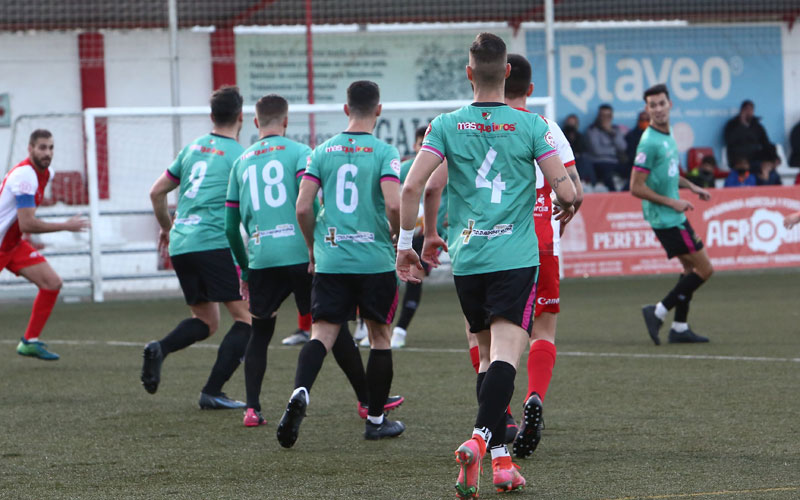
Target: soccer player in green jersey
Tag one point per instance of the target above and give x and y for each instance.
(262, 191)
(490, 150)
(351, 253)
(655, 179)
(199, 250)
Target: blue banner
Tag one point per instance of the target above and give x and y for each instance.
(709, 71)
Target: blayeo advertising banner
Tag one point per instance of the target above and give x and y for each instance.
(709, 71)
(742, 228)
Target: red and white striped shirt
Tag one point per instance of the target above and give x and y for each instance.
(23, 186)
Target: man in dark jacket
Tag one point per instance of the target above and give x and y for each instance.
(746, 137)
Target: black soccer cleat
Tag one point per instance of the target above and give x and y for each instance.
(685, 337)
(151, 366)
(289, 426)
(511, 428)
(530, 432)
(386, 429)
(652, 322)
(220, 402)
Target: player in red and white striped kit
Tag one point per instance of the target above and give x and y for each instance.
(21, 192)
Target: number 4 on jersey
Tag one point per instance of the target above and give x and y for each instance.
(496, 185)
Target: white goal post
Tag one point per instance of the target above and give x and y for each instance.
(137, 180)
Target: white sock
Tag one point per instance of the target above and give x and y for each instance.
(305, 393)
(661, 311)
(34, 339)
(680, 327)
(483, 433)
(375, 420)
(500, 451)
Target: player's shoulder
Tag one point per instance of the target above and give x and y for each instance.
(23, 171)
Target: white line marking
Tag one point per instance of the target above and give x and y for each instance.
(576, 354)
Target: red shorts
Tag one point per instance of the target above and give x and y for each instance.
(547, 291)
(21, 256)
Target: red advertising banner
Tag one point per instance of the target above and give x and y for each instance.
(742, 228)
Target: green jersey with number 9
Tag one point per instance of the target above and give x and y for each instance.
(352, 233)
(657, 155)
(490, 149)
(264, 183)
(202, 169)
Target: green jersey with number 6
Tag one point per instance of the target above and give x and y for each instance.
(352, 233)
(490, 149)
(657, 154)
(202, 169)
(264, 183)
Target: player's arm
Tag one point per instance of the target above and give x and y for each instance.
(28, 223)
(233, 220)
(431, 201)
(572, 172)
(640, 190)
(559, 180)
(305, 213)
(391, 200)
(424, 164)
(683, 182)
(158, 198)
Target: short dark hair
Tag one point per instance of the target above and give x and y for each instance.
(745, 103)
(488, 51)
(39, 133)
(519, 80)
(363, 96)
(271, 108)
(659, 88)
(420, 133)
(226, 105)
(603, 106)
(709, 159)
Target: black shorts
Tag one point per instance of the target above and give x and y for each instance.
(271, 286)
(507, 294)
(335, 297)
(679, 240)
(416, 244)
(207, 276)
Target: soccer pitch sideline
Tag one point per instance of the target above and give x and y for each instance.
(624, 419)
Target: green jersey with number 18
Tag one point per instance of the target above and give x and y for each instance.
(264, 183)
(657, 155)
(202, 169)
(352, 233)
(490, 150)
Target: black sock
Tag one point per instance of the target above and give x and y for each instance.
(229, 355)
(682, 307)
(309, 363)
(348, 357)
(411, 300)
(478, 384)
(255, 359)
(379, 379)
(185, 334)
(496, 392)
(683, 290)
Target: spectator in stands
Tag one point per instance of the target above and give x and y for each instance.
(794, 143)
(578, 144)
(740, 175)
(703, 174)
(766, 174)
(746, 137)
(607, 147)
(633, 136)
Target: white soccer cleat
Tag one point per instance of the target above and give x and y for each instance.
(398, 338)
(361, 330)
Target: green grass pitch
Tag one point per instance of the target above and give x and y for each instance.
(625, 419)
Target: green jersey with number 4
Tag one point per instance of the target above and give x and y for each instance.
(352, 233)
(202, 169)
(657, 154)
(490, 149)
(264, 183)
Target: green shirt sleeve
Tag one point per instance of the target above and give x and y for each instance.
(645, 156)
(174, 170)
